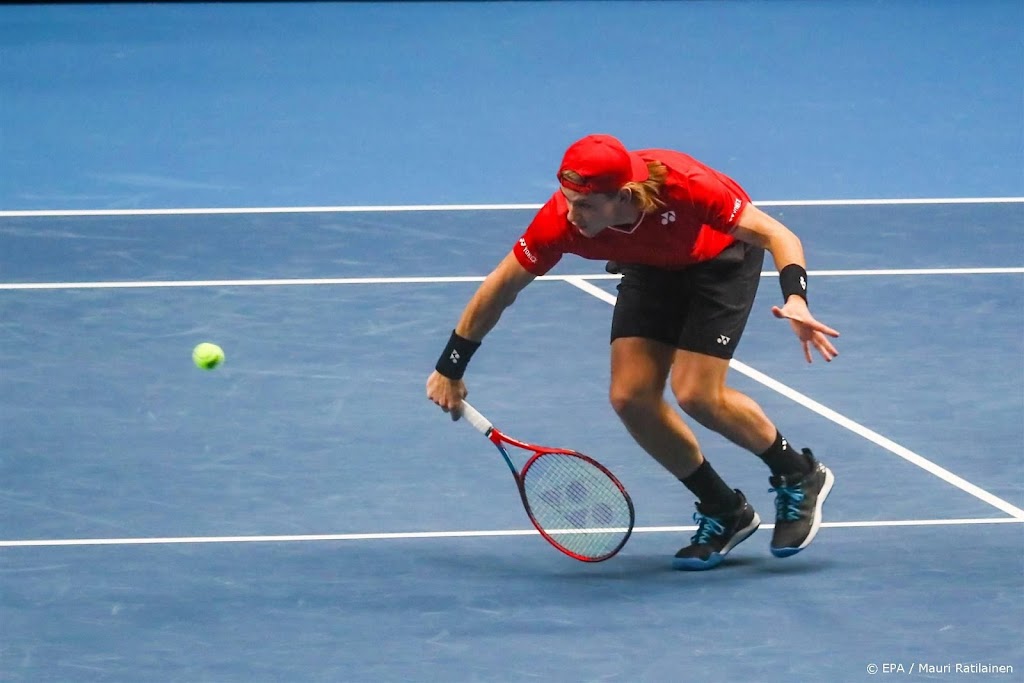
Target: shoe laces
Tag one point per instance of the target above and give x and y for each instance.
(707, 527)
(788, 500)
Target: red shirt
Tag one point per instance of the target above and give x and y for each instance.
(701, 209)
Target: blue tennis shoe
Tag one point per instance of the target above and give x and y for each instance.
(798, 502)
(717, 534)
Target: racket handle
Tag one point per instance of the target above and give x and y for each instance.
(482, 424)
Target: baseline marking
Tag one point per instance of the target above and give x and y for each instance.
(843, 421)
(289, 282)
(52, 213)
(310, 538)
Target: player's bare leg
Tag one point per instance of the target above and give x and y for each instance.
(698, 383)
(640, 369)
(800, 482)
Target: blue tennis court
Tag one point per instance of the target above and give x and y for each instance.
(320, 187)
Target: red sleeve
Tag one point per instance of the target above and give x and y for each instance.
(542, 245)
(717, 199)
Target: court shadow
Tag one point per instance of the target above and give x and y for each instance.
(632, 568)
(620, 568)
(767, 565)
(547, 565)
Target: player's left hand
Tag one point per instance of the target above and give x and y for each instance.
(810, 331)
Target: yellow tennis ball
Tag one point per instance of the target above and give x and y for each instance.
(207, 356)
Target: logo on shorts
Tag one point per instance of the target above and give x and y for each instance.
(723, 340)
(668, 217)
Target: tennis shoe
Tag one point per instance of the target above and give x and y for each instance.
(798, 501)
(716, 535)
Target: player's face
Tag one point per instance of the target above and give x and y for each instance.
(592, 213)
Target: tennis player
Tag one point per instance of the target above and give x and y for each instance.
(689, 245)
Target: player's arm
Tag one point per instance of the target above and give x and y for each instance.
(497, 292)
(757, 227)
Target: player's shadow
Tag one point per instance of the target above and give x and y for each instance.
(635, 568)
(766, 565)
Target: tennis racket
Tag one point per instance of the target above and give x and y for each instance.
(575, 502)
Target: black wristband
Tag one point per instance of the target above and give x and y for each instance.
(793, 280)
(455, 357)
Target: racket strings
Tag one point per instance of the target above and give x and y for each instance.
(577, 504)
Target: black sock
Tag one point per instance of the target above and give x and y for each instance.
(782, 459)
(713, 493)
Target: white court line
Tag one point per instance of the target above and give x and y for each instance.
(885, 272)
(50, 213)
(289, 282)
(892, 202)
(46, 213)
(312, 538)
(843, 421)
(908, 271)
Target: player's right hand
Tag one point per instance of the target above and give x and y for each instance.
(807, 329)
(447, 393)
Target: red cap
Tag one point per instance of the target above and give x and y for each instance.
(604, 164)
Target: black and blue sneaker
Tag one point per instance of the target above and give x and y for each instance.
(717, 534)
(798, 501)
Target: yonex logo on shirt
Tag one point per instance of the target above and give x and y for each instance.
(723, 340)
(735, 207)
(526, 250)
(668, 217)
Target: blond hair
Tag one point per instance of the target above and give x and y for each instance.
(646, 195)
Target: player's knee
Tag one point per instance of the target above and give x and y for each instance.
(628, 404)
(623, 402)
(700, 405)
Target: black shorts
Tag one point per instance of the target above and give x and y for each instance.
(701, 308)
